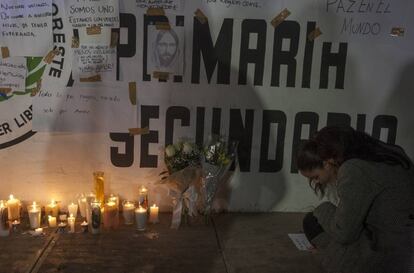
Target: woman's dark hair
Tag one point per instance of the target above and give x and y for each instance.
(342, 144)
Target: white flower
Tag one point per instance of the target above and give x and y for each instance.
(178, 146)
(170, 150)
(187, 148)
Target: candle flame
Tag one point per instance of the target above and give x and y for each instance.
(11, 197)
(34, 203)
(154, 206)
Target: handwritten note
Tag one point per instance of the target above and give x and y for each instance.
(87, 13)
(13, 73)
(99, 108)
(300, 241)
(25, 21)
(92, 60)
(168, 5)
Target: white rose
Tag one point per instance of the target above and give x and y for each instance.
(187, 148)
(170, 151)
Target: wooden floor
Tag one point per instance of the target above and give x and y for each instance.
(231, 243)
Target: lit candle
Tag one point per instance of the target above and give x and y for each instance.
(52, 221)
(141, 218)
(4, 223)
(38, 231)
(143, 197)
(111, 215)
(89, 199)
(73, 209)
(84, 226)
(34, 215)
(128, 212)
(13, 206)
(153, 217)
(52, 209)
(71, 222)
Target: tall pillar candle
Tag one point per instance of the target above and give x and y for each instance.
(73, 209)
(96, 217)
(99, 186)
(141, 218)
(71, 222)
(82, 205)
(143, 197)
(4, 219)
(153, 217)
(52, 221)
(111, 215)
(13, 207)
(34, 212)
(128, 209)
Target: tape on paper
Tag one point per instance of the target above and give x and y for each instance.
(133, 93)
(280, 18)
(138, 131)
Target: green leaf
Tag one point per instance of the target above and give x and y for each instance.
(33, 62)
(33, 78)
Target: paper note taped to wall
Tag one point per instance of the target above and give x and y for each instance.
(93, 14)
(13, 74)
(99, 108)
(26, 27)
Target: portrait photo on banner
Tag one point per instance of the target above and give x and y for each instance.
(166, 50)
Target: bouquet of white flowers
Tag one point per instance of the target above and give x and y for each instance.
(216, 160)
(183, 163)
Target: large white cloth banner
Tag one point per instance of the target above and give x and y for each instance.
(23, 22)
(265, 73)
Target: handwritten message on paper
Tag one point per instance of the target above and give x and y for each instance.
(99, 108)
(237, 3)
(87, 13)
(92, 60)
(13, 73)
(168, 5)
(23, 22)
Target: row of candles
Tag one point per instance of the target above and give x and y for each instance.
(92, 210)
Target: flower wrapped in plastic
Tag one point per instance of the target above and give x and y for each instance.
(216, 159)
(183, 163)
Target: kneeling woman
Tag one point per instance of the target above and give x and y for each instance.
(372, 227)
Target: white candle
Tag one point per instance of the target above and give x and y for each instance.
(73, 209)
(52, 221)
(128, 212)
(34, 215)
(13, 206)
(4, 223)
(141, 218)
(52, 209)
(153, 217)
(71, 221)
(38, 231)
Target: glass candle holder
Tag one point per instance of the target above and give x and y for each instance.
(99, 186)
(141, 218)
(143, 197)
(73, 209)
(13, 208)
(111, 214)
(52, 209)
(34, 212)
(4, 219)
(128, 210)
(96, 217)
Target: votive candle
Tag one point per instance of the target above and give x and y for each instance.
(71, 222)
(153, 217)
(34, 215)
(13, 207)
(141, 218)
(52, 208)
(52, 221)
(128, 212)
